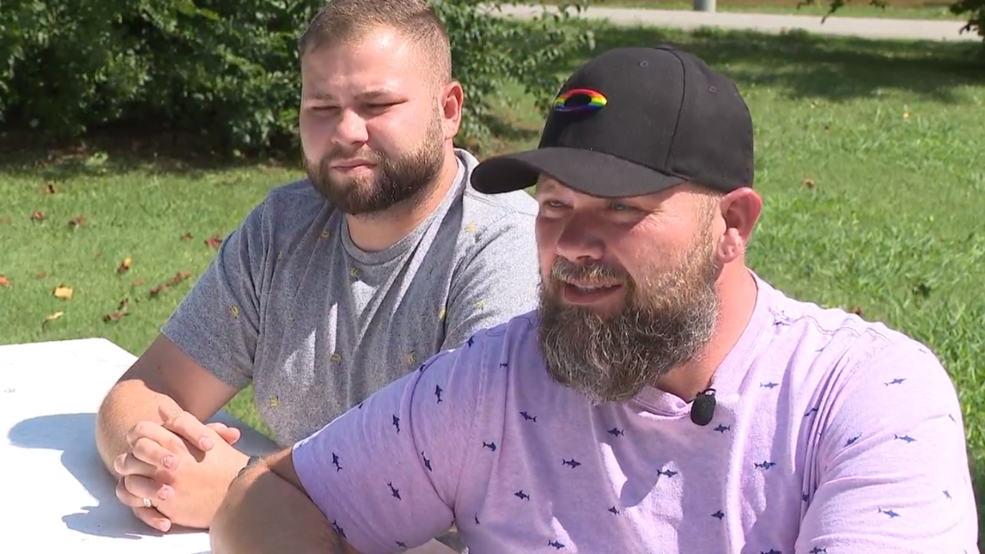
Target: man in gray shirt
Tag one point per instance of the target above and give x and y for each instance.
(335, 285)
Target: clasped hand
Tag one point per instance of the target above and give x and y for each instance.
(177, 473)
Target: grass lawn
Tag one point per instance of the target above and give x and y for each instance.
(896, 9)
(866, 159)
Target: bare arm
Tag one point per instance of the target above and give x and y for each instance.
(163, 376)
(266, 511)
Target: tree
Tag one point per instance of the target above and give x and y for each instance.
(229, 69)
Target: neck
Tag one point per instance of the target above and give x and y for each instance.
(738, 293)
(379, 231)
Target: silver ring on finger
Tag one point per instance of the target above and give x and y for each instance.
(147, 503)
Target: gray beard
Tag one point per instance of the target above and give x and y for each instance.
(611, 359)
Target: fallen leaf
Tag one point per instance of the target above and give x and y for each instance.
(63, 292)
(123, 304)
(51, 317)
(124, 265)
(179, 277)
(214, 242)
(827, 127)
(115, 316)
(4, 281)
(158, 289)
(808, 184)
(857, 311)
(49, 188)
(78, 221)
(37, 216)
(187, 236)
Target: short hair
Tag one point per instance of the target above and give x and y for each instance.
(346, 21)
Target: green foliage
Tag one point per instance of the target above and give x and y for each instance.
(227, 70)
(973, 9)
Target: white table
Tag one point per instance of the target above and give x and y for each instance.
(55, 494)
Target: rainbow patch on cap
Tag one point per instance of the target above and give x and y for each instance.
(579, 100)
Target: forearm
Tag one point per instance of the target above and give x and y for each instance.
(263, 513)
(129, 403)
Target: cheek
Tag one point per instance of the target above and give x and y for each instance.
(315, 133)
(547, 233)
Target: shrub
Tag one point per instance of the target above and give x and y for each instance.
(228, 70)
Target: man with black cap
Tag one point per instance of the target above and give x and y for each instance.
(663, 398)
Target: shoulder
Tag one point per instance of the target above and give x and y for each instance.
(289, 209)
(298, 195)
(491, 210)
(837, 355)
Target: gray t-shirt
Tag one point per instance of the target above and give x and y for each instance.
(318, 325)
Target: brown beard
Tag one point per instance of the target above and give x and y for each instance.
(402, 180)
(664, 323)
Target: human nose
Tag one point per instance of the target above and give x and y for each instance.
(580, 241)
(351, 129)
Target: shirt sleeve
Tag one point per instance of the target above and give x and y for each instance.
(498, 282)
(386, 473)
(218, 322)
(892, 464)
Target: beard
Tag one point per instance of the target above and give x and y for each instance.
(665, 322)
(402, 179)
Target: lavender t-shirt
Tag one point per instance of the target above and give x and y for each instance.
(832, 435)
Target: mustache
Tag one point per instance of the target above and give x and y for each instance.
(563, 270)
(340, 152)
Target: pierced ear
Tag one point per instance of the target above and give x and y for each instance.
(740, 212)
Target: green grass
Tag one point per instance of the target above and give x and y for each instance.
(869, 159)
(899, 9)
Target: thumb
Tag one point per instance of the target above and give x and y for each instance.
(226, 433)
(168, 413)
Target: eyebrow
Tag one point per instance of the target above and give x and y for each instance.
(364, 95)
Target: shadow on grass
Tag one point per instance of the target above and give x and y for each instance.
(804, 65)
(978, 477)
(119, 149)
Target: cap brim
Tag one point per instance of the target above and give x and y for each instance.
(586, 171)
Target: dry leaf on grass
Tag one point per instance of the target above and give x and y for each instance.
(51, 317)
(49, 188)
(4, 281)
(124, 265)
(179, 277)
(63, 292)
(187, 236)
(115, 316)
(214, 242)
(808, 184)
(77, 221)
(37, 216)
(154, 291)
(123, 304)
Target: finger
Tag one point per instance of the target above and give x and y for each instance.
(151, 452)
(128, 464)
(153, 518)
(137, 487)
(157, 433)
(226, 433)
(191, 429)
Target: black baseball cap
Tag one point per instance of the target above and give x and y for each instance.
(636, 121)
